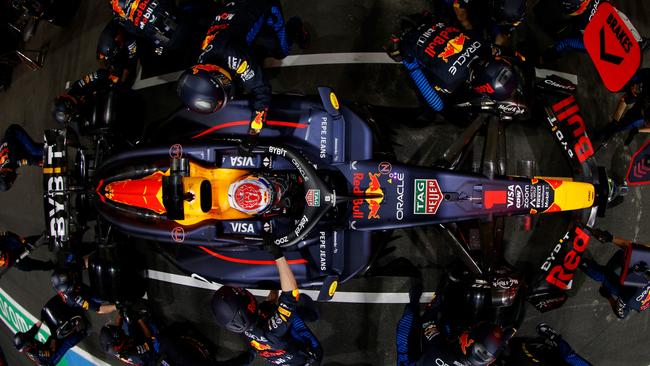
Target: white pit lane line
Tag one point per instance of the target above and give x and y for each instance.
(294, 60)
(339, 296)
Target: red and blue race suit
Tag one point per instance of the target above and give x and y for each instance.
(627, 297)
(228, 43)
(421, 341)
(567, 29)
(42, 353)
(479, 12)
(98, 80)
(151, 19)
(636, 117)
(137, 349)
(540, 352)
(12, 247)
(280, 335)
(439, 58)
(16, 149)
(81, 297)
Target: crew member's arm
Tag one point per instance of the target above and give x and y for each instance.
(86, 302)
(645, 128)
(145, 329)
(106, 308)
(273, 296)
(287, 279)
(460, 9)
(250, 74)
(90, 83)
(424, 85)
(31, 333)
(280, 322)
(131, 63)
(620, 109)
(621, 242)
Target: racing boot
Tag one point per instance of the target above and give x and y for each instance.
(549, 333)
(620, 308)
(297, 33)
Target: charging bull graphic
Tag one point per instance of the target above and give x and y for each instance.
(373, 195)
(454, 46)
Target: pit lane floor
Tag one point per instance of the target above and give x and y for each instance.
(352, 334)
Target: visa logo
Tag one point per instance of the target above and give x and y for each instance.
(242, 227)
(245, 161)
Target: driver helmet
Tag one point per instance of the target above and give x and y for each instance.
(574, 7)
(111, 42)
(205, 88)
(252, 195)
(62, 280)
(21, 341)
(483, 344)
(65, 108)
(112, 338)
(234, 308)
(508, 12)
(495, 78)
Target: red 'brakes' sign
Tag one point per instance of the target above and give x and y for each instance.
(611, 41)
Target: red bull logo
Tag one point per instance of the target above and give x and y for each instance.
(259, 346)
(374, 195)
(117, 9)
(645, 303)
(4, 154)
(465, 341)
(454, 46)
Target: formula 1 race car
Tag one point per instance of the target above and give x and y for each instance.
(312, 186)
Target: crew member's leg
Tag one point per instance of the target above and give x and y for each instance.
(277, 37)
(408, 328)
(569, 355)
(565, 350)
(65, 344)
(25, 144)
(302, 333)
(631, 119)
(599, 273)
(28, 264)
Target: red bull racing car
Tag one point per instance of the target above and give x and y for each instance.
(312, 186)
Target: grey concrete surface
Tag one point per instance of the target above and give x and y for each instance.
(352, 334)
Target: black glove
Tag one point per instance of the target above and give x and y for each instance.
(603, 236)
(272, 248)
(247, 145)
(392, 48)
(631, 135)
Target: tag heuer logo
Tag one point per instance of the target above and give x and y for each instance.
(313, 198)
(428, 197)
